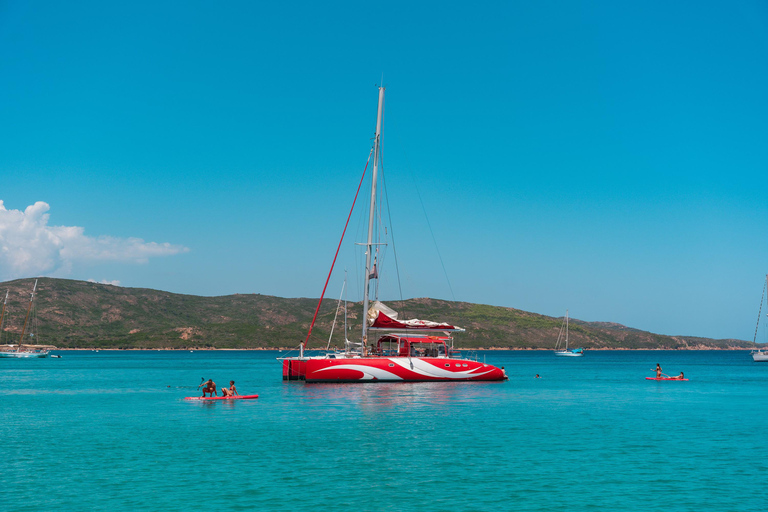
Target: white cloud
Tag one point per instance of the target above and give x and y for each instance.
(30, 247)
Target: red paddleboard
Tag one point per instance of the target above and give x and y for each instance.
(238, 397)
(662, 378)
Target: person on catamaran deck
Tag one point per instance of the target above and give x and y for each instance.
(210, 387)
(658, 371)
(230, 391)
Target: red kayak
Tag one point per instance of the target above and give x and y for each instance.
(237, 397)
(663, 378)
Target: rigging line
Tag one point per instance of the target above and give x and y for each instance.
(346, 338)
(359, 252)
(760, 310)
(381, 229)
(427, 218)
(394, 249)
(440, 257)
(376, 240)
(356, 255)
(337, 249)
(338, 305)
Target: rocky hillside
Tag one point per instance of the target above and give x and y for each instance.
(79, 314)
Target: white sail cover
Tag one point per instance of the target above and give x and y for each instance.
(383, 317)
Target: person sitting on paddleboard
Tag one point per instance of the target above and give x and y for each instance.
(680, 377)
(658, 371)
(210, 387)
(230, 391)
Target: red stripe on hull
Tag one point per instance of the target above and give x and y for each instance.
(389, 369)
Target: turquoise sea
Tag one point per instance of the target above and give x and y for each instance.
(110, 431)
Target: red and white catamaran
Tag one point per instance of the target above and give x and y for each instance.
(406, 350)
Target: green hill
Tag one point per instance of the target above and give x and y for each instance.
(79, 314)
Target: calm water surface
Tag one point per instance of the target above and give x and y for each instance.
(110, 430)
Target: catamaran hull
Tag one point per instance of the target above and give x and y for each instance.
(760, 357)
(569, 354)
(23, 355)
(388, 369)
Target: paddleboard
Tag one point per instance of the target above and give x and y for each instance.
(238, 397)
(662, 378)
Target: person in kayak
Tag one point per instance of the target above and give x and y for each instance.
(210, 387)
(658, 371)
(230, 391)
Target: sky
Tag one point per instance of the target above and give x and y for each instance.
(609, 158)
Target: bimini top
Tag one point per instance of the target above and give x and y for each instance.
(382, 317)
(415, 338)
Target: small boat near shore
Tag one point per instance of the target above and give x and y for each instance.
(24, 350)
(563, 340)
(760, 356)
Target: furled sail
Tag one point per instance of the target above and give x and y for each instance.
(383, 317)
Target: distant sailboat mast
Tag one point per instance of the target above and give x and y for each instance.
(577, 352)
(25, 350)
(760, 311)
(29, 308)
(2, 315)
(371, 217)
(762, 354)
(335, 316)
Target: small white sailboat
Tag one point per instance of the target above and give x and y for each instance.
(761, 356)
(25, 350)
(562, 340)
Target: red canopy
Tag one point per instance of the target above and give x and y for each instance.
(382, 317)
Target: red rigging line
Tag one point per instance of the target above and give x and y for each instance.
(337, 249)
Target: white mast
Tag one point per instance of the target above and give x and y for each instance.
(371, 216)
(29, 308)
(2, 316)
(566, 329)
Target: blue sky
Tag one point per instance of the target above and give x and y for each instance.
(607, 158)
